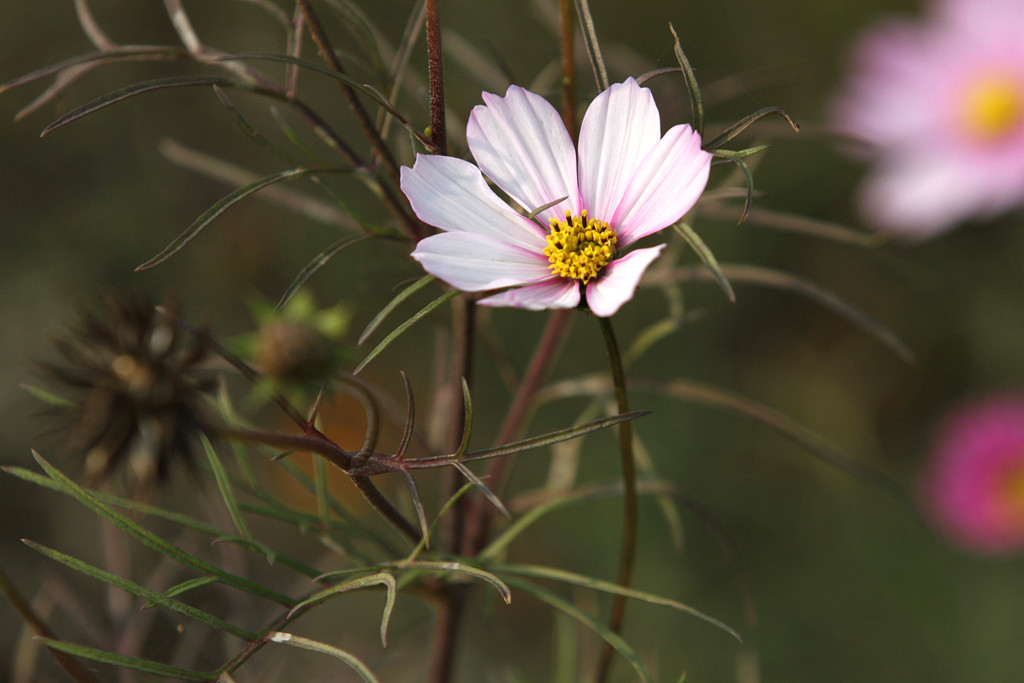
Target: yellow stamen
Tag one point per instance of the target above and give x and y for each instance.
(994, 107)
(579, 247)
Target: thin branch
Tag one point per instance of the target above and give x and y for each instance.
(326, 50)
(629, 522)
(435, 65)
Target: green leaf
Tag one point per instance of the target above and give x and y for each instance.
(224, 485)
(154, 542)
(498, 545)
(379, 579)
(325, 649)
(606, 634)
(706, 256)
(795, 223)
(48, 397)
(748, 177)
(315, 265)
(363, 88)
(134, 663)
(532, 442)
(250, 131)
(769, 277)
(744, 123)
(363, 30)
(777, 422)
(137, 89)
(393, 304)
(591, 43)
(573, 579)
(186, 586)
(226, 203)
(696, 100)
(123, 53)
(135, 589)
(447, 296)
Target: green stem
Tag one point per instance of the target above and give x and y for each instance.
(629, 522)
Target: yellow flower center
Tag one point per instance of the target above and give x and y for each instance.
(1012, 492)
(993, 107)
(579, 247)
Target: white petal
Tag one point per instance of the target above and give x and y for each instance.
(474, 263)
(520, 142)
(919, 198)
(621, 125)
(619, 280)
(450, 194)
(664, 187)
(558, 292)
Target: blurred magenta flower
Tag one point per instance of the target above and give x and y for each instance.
(940, 104)
(628, 181)
(975, 484)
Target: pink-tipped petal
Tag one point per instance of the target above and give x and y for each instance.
(452, 195)
(555, 293)
(621, 125)
(666, 184)
(474, 263)
(618, 281)
(520, 142)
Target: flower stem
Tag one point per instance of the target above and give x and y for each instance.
(435, 66)
(316, 30)
(629, 522)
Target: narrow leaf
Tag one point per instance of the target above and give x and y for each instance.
(325, 649)
(142, 665)
(696, 100)
(156, 543)
(135, 589)
(447, 296)
(393, 304)
(226, 203)
(706, 256)
(483, 488)
(606, 634)
(545, 207)
(363, 88)
(789, 222)
(379, 579)
(590, 42)
(224, 485)
(315, 265)
(125, 53)
(744, 123)
(532, 442)
(47, 397)
(137, 89)
(777, 422)
(769, 277)
(747, 176)
(571, 578)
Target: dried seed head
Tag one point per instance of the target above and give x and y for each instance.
(140, 404)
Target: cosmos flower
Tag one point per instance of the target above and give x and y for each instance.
(974, 488)
(940, 104)
(626, 182)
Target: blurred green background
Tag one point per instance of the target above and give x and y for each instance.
(848, 584)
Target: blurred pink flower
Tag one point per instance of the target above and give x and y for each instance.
(975, 484)
(940, 104)
(627, 182)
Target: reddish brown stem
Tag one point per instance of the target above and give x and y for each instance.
(435, 65)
